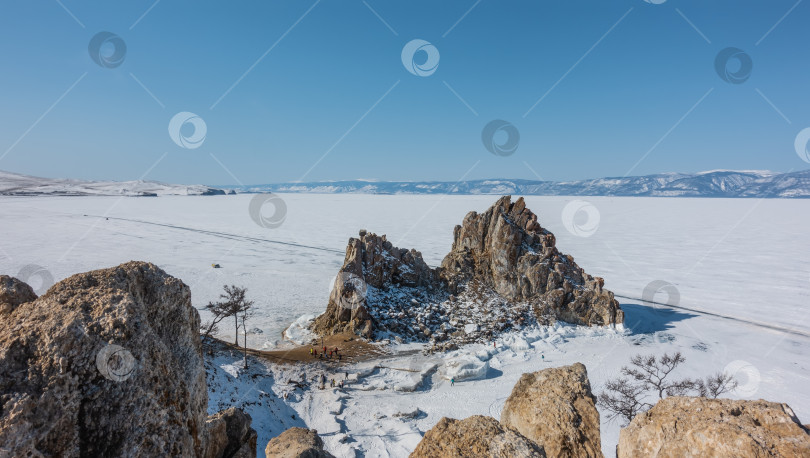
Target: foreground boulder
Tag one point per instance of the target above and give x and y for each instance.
(230, 435)
(14, 292)
(106, 363)
(476, 436)
(684, 426)
(297, 443)
(556, 409)
(503, 271)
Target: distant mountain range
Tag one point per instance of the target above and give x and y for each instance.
(716, 183)
(14, 184)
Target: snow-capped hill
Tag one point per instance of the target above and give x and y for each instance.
(25, 185)
(715, 183)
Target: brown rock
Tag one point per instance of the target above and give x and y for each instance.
(503, 252)
(683, 426)
(230, 435)
(556, 409)
(106, 363)
(14, 292)
(476, 436)
(297, 443)
(371, 261)
(506, 249)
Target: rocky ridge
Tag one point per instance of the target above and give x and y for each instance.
(503, 270)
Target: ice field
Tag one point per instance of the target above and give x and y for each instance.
(741, 268)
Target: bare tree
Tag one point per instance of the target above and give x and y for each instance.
(234, 304)
(649, 379)
(717, 384)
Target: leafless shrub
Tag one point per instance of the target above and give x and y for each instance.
(649, 379)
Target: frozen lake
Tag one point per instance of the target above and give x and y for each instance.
(740, 257)
(745, 259)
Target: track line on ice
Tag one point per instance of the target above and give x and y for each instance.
(221, 234)
(761, 324)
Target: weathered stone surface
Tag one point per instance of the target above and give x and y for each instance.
(556, 409)
(106, 363)
(297, 443)
(14, 292)
(476, 436)
(683, 426)
(230, 435)
(371, 262)
(503, 268)
(506, 249)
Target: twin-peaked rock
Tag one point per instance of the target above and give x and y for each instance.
(503, 270)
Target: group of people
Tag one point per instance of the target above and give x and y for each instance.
(321, 380)
(330, 355)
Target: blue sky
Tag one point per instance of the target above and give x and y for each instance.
(292, 90)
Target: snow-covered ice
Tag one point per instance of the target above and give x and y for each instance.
(745, 263)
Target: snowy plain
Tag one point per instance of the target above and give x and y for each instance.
(745, 259)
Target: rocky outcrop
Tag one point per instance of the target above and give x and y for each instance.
(556, 409)
(681, 426)
(14, 292)
(297, 443)
(230, 435)
(503, 271)
(507, 250)
(375, 275)
(106, 363)
(476, 436)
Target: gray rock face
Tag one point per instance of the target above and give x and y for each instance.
(507, 250)
(503, 270)
(14, 292)
(682, 426)
(556, 409)
(297, 443)
(476, 436)
(106, 363)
